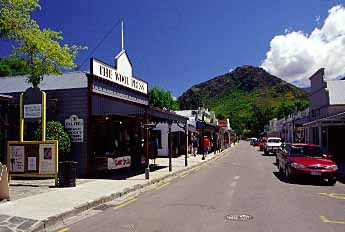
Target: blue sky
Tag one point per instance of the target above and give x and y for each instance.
(176, 44)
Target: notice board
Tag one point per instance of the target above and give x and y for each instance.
(32, 158)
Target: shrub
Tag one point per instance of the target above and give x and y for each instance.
(56, 131)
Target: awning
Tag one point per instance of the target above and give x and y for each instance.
(161, 115)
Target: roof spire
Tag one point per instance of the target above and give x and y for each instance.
(122, 42)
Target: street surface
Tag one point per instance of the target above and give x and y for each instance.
(242, 182)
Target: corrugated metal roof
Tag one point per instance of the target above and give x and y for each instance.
(69, 80)
(336, 90)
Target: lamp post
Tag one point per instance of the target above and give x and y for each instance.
(147, 126)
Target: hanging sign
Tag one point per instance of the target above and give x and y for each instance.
(75, 128)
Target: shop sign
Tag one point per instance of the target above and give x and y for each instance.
(75, 128)
(119, 162)
(107, 72)
(200, 124)
(223, 123)
(33, 111)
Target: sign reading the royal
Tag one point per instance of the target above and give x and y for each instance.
(32, 111)
(75, 128)
(107, 72)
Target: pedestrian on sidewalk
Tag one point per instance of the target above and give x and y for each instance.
(195, 145)
(206, 147)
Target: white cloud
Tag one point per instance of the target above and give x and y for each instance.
(295, 56)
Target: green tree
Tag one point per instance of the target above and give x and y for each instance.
(13, 66)
(55, 131)
(162, 98)
(40, 48)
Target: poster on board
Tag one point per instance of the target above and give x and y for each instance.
(47, 159)
(17, 158)
(32, 164)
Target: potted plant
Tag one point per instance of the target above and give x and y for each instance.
(67, 169)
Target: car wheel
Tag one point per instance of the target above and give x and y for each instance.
(265, 152)
(331, 180)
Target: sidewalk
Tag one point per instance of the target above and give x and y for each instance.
(49, 206)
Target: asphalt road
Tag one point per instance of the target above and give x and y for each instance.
(242, 182)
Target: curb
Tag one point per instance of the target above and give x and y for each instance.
(50, 221)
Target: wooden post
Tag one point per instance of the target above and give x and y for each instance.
(186, 158)
(147, 136)
(170, 147)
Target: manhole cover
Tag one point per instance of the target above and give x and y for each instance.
(238, 217)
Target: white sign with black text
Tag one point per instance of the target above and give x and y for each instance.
(107, 72)
(75, 128)
(119, 162)
(33, 111)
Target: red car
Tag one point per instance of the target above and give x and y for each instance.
(305, 159)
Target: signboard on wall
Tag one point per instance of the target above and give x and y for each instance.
(107, 72)
(75, 128)
(119, 162)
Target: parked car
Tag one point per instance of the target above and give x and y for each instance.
(295, 160)
(272, 145)
(253, 140)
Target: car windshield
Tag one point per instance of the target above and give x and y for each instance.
(273, 141)
(306, 151)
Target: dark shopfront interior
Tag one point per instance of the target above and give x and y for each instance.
(117, 136)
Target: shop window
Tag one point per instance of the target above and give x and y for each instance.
(157, 134)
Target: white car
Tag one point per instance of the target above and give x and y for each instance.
(272, 145)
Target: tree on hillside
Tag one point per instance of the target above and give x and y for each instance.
(39, 48)
(162, 98)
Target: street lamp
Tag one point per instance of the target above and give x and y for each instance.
(147, 127)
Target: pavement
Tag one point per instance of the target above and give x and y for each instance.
(36, 204)
(242, 191)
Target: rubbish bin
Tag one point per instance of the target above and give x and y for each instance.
(67, 174)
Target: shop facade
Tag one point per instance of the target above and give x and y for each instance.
(106, 113)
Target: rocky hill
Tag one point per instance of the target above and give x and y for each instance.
(248, 95)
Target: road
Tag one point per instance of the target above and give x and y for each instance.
(242, 182)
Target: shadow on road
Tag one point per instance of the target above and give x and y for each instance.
(302, 181)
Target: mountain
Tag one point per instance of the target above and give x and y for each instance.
(248, 95)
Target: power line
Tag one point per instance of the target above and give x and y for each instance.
(100, 43)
